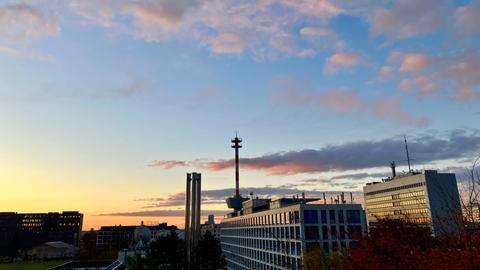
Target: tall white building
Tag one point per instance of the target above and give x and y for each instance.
(267, 234)
(429, 198)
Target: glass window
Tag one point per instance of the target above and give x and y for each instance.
(310, 216)
(323, 215)
(353, 216)
(340, 216)
(324, 232)
(311, 233)
(332, 216)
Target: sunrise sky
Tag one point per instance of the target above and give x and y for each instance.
(105, 105)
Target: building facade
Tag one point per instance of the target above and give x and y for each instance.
(210, 226)
(428, 198)
(20, 231)
(275, 234)
(120, 237)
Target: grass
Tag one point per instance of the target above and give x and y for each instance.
(30, 265)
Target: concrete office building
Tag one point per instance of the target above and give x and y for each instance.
(429, 198)
(267, 234)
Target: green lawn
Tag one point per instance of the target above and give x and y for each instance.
(29, 266)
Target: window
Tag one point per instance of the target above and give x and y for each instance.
(340, 216)
(310, 216)
(332, 216)
(323, 215)
(325, 232)
(311, 233)
(353, 216)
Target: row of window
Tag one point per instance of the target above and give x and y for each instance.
(291, 217)
(331, 232)
(283, 232)
(241, 258)
(284, 247)
(395, 188)
(334, 216)
(396, 196)
(399, 203)
(400, 212)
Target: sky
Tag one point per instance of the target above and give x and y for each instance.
(106, 105)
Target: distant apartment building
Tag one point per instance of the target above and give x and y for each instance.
(268, 234)
(210, 226)
(23, 231)
(429, 198)
(120, 237)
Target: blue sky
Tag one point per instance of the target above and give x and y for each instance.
(118, 99)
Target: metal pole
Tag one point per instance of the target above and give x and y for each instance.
(187, 218)
(198, 212)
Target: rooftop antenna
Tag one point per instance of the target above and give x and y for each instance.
(408, 155)
(236, 145)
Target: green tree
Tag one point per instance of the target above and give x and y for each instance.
(166, 253)
(209, 253)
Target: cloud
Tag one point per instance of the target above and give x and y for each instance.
(467, 19)
(315, 32)
(167, 164)
(227, 43)
(466, 77)
(264, 28)
(341, 61)
(162, 213)
(414, 62)
(408, 18)
(24, 54)
(424, 83)
(425, 148)
(294, 93)
(22, 22)
(218, 196)
(385, 73)
(390, 108)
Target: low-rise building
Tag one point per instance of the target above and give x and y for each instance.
(120, 237)
(52, 250)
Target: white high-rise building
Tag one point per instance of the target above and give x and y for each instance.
(429, 198)
(275, 234)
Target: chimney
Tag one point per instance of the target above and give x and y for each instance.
(324, 199)
(351, 197)
(392, 166)
(187, 216)
(343, 198)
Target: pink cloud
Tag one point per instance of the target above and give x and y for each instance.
(466, 77)
(467, 19)
(385, 73)
(390, 108)
(227, 43)
(414, 62)
(294, 93)
(424, 83)
(22, 22)
(264, 28)
(168, 164)
(341, 61)
(407, 19)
